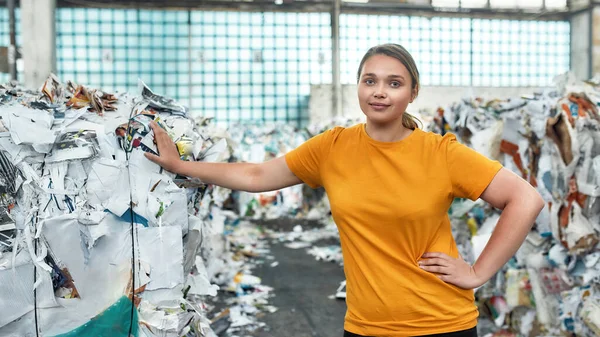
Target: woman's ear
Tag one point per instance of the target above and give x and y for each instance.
(413, 94)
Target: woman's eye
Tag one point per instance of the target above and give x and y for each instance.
(369, 81)
(395, 84)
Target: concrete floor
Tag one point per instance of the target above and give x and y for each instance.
(302, 289)
(302, 286)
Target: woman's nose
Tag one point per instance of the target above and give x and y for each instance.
(379, 94)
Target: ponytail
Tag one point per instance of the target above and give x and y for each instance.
(410, 122)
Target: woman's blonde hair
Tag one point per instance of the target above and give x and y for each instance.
(401, 54)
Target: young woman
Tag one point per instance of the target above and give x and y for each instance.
(390, 185)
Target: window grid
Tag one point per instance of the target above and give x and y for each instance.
(463, 51)
(502, 4)
(112, 48)
(228, 65)
(519, 53)
(259, 66)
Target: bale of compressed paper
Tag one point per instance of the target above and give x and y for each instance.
(96, 239)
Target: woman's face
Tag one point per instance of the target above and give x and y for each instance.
(384, 89)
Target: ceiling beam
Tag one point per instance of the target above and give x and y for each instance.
(380, 8)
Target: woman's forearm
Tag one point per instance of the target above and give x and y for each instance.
(235, 176)
(512, 228)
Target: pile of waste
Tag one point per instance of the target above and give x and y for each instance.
(94, 238)
(246, 297)
(301, 238)
(257, 143)
(551, 287)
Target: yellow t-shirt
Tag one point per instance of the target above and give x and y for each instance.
(390, 201)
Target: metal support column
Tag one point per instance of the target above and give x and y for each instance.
(38, 38)
(12, 48)
(591, 43)
(335, 59)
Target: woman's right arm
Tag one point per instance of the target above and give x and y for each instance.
(268, 176)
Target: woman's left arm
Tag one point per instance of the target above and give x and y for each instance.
(520, 204)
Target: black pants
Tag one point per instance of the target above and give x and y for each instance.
(463, 333)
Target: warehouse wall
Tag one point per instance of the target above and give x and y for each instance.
(430, 98)
(595, 40)
(585, 44)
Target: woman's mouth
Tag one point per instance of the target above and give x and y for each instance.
(379, 106)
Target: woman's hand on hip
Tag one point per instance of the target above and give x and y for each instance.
(450, 270)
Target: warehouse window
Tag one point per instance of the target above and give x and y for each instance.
(556, 4)
(229, 65)
(459, 3)
(529, 4)
(112, 48)
(463, 51)
(238, 66)
(519, 53)
(503, 4)
(259, 66)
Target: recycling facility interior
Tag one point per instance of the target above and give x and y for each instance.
(95, 240)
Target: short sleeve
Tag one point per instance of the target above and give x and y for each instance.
(470, 171)
(305, 161)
